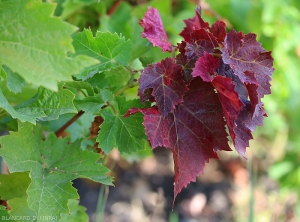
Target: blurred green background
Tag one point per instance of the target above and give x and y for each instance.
(274, 152)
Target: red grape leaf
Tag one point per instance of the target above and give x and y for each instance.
(251, 63)
(193, 24)
(154, 30)
(165, 78)
(232, 106)
(194, 131)
(205, 67)
(246, 123)
(218, 29)
(187, 64)
(202, 41)
(230, 100)
(240, 88)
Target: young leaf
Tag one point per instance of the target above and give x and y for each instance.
(110, 49)
(201, 41)
(187, 64)
(165, 83)
(52, 164)
(126, 134)
(218, 29)
(251, 63)
(205, 67)
(232, 106)
(230, 100)
(154, 30)
(193, 24)
(35, 44)
(222, 71)
(194, 131)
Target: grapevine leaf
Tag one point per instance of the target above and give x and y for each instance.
(146, 60)
(202, 41)
(246, 123)
(194, 131)
(77, 213)
(4, 104)
(165, 79)
(52, 164)
(193, 24)
(98, 81)
(15, 82)
(110, 49)
(154, 30)
(205, 67)
(48, 105)
(80, 86)
(90, 104)
(240, 87)
(124, 21)
(93, 104)
(38, 53)
(251, 63)
(232, 106)
(187, 64)
(218, 29)
(106, 95)
(230, 100)
(126, 134)
(117, 78)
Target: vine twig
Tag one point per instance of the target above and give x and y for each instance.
(60, 131)
(114, 7)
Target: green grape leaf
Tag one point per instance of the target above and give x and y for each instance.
(124, 21)
(52, 164)
(126, 134)
(90, 104)
(4, 215)
(13, 185)
(117, 78)
(93, 104)
(106, 95)
(81, 85)
(48, 105)
(98, 81)
(77, 213)
(15, 82)
(110, 49)
(4, 104)
(35, 44)
(146, 61)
